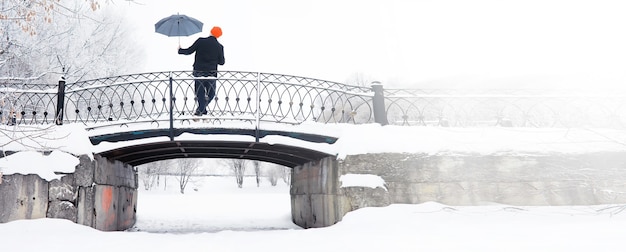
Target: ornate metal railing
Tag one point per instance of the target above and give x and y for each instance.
(264, 97)
(249, 96)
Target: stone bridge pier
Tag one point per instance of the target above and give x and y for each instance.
(316, 200)
(100, 193)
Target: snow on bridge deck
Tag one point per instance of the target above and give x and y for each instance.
(352, 139)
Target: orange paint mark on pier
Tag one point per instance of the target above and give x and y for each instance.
(107, 198)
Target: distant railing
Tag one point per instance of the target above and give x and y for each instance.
(505, 107)
(264, 97)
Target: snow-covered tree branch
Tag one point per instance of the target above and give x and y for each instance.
(77, 38)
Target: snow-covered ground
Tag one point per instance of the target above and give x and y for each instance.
(213, 204)
(221, 217)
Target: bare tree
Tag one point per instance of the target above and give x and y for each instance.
(274, 172)
(150, 173)
(184, 169)
(35, 48)
(359, 79)
(79, 42)
(238, 166)
(26, 13)
(273, 175)
(257, 172)
(286, 175)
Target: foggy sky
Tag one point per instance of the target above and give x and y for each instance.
(421, 43)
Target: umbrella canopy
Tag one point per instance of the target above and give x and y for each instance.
(178, 25)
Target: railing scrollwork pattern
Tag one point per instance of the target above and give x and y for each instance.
(248, 96)
(264, 97)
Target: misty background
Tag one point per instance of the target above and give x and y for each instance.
(418, 44)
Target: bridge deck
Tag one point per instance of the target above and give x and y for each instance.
(289, 156)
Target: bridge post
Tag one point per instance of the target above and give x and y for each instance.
(258, 106)
(171, 132)
(58, 115)
(380, 115)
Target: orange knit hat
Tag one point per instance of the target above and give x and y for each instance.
(216, 31)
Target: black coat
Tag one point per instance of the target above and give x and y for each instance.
(209, 54)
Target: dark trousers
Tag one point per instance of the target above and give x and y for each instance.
(205, 90)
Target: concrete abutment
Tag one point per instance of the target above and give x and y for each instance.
(318, 198)
(100, 193)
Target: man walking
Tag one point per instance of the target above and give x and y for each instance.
(209, 54)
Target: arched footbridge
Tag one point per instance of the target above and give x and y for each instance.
(248, 105)
(140, 118)
(257, 105)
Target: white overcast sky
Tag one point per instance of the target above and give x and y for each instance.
(422, 43)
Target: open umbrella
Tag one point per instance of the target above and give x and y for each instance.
(178, 25)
